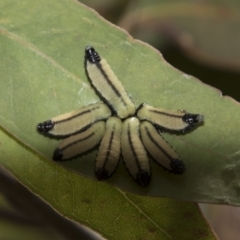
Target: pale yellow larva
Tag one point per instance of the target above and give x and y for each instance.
(76, 121)
(134, 154)
(159, 149)
(107, 84)
(80, 143)
(169, 120)
(109, 150)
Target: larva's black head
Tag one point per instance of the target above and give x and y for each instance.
(45, 127)
(193, 119)
(57, 155)
(102, 174)
(143, 178)
(178, 167)
(91, 55)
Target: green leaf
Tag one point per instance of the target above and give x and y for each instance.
(42, 76)
(113, 213)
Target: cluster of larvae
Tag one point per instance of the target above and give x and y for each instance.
(118, 128)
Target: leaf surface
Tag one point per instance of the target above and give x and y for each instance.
(43, 76)
(110, 211)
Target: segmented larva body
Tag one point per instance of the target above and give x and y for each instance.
(80, 143)
(134, 154)
(76, 121)
(159, 149)
(107, 84)
(109, 150)
(171, 121)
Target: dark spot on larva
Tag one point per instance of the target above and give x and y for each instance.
(57, 155)
(91, 55)
(178, 166)
(45, 127)
(193, 119)
(143, 178)
(101, 174)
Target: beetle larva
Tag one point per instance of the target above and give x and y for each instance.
(76, 121)
(107, 85)
(169, 120)
(159, 149)
(80, 143)
(109, 150)
(134, 154)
